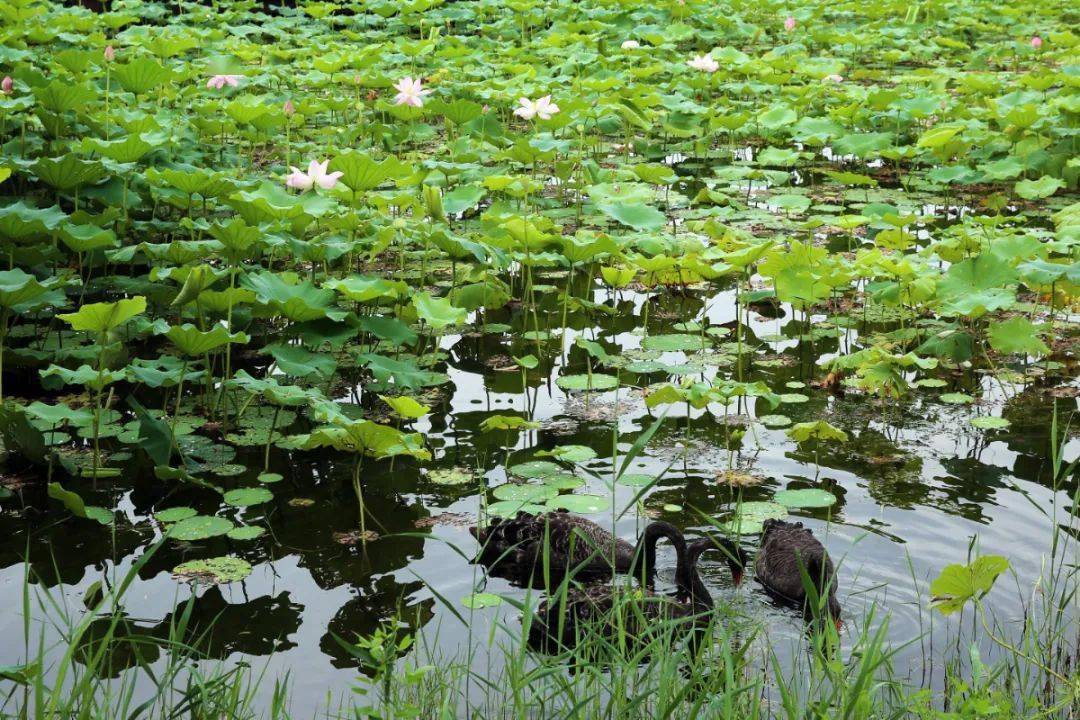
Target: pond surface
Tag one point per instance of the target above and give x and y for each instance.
(916, 484)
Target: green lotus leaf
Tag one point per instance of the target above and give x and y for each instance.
(194, 343)
(77, 507)
(200, 527)
(219, 570)
(175, 514)
(246, 497)
(585, 504)
(805, 498)
(103, 317)
(594, 382)
(524, 493)
(535, 469)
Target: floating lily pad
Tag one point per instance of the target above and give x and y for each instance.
(246, 532)
(510, 508)
(228, 469)
(956, 398)
(175, 514)
(563, 481)
(573, 453)
(989, 422)
(775, 421)
(750, 517)
(596, 382)
(805, 498)
(793, 398)
(585, 504)
(219, 570)
(636, 479)
(672, 508)
(930, 383)
(646, 367)
(269, 477)
(535, 469)
(481, 600)
(450, 476)
(200, 527)
(245, 497)
(673, 343)
(524, 493)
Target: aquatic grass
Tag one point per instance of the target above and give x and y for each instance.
(733, 671)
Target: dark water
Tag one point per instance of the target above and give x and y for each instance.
(916, 485)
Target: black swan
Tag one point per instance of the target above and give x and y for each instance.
(519, 548)
(784, 546)
(562, 620)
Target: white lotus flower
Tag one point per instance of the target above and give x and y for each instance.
(410, 92)
(705, 63)
(542, 108)
(316, 175)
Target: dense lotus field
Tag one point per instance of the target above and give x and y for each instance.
(485, 257)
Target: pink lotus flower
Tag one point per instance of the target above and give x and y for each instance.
(410, 92)
(6, 85)
(789, 24)
(289, 108)
(110, 53)
(705, 63)
(316, 175)
(542, 108)
(630, 45)
(834, 78)
(219, 81)
(1036, 42)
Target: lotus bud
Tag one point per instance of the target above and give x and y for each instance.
(1036, 42)
(289, 108)
(110, 53)
(6, 85)
(789, 24)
